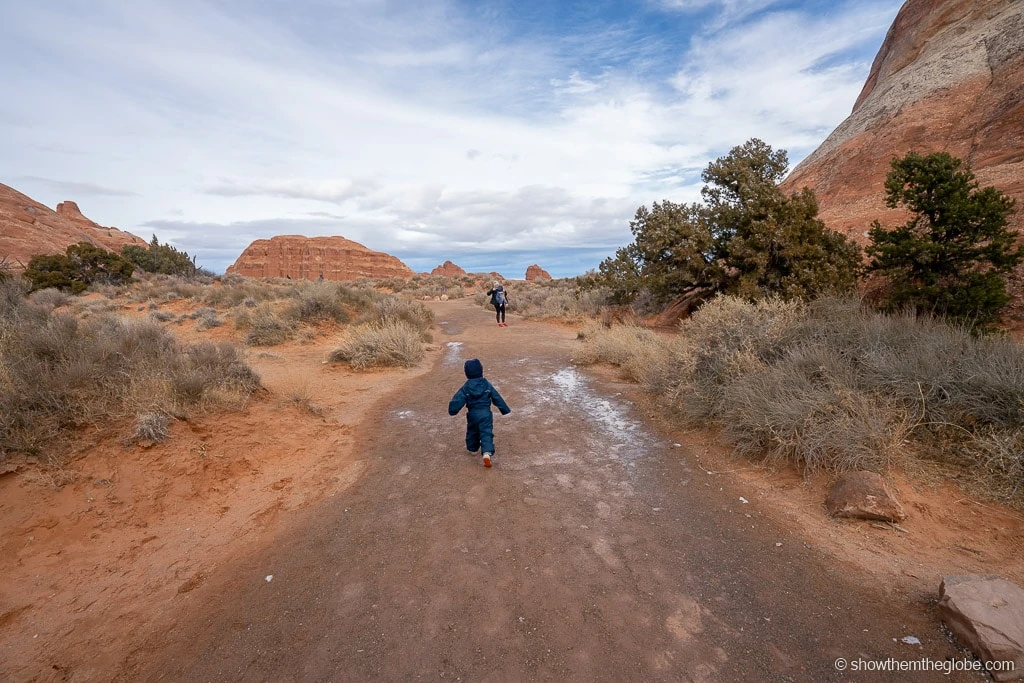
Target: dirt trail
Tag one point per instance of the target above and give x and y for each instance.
(592, 550)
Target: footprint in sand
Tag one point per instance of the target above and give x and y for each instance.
(603, 549)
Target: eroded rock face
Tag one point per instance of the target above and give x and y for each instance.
(949, 77)
(28, 228)
(986, 613)
(537, 274)
(448, 269)
(336, 258)
(864, 495)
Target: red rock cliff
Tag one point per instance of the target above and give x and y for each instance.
(948, 77)
(296, 256)
(28, 228)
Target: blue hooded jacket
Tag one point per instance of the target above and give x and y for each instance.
(477, 394)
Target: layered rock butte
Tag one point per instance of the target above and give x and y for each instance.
(336, 258)
(949, 77)
(28, 228)
(448, 269)
(535, 273)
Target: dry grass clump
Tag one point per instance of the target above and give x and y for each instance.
(728, 339)
(265, 326)
(159, 287)
(152, 427)
(636, 351)
(318, 301)
(831, 386)
(431, 286)
(391, 309)
(162, 316)
(391, 332)
(50, 298)
(391, 342)
(59, 372)
(206, 318)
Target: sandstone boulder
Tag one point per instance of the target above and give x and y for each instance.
(537, 274)
(28, 228)
(448, 269)
(948, 77)
(336, 258)
(986, 613)
(864, 495)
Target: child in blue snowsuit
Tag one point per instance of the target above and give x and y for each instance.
(477, 394)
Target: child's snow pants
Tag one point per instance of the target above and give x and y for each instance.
(480, 430)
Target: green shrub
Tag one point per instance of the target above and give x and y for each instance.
(748, 239)
(160, 258)
(81, 265)
(953, 256)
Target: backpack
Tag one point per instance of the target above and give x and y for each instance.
(499, 297)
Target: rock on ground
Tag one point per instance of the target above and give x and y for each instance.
(986, 613)
(864, 495)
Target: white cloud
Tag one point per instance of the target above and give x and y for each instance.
(416, 130)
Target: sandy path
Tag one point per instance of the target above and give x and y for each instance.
(593, 550)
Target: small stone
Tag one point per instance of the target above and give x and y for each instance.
(864, 495)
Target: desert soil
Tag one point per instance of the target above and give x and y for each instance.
(336, 529)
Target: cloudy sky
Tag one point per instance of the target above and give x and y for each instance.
(493, 133)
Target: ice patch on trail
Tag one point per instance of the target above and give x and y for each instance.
(452, 353)
(625, 438)
(405, 414)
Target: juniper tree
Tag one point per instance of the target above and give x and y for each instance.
(952, 257)
(747, 238)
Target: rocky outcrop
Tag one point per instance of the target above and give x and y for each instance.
(537, 274)
(986, 613)
(448, 269)
(336, 258)
(948, 77)
(864, 495)
(28, 228)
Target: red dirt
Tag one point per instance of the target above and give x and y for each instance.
(594, 549)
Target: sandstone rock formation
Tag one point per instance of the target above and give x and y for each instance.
(986, 613)
(448, 269)
(948, 77)
(537, 274)
(28, 228)
(297, 256)
(864, 495)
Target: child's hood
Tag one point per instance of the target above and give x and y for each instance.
(474, 369)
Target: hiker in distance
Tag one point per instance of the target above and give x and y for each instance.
(477, 395)
(499, 299)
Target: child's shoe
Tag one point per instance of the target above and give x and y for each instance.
(487, 459)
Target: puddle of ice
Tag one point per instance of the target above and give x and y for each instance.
(624, 438)
(452, 353)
